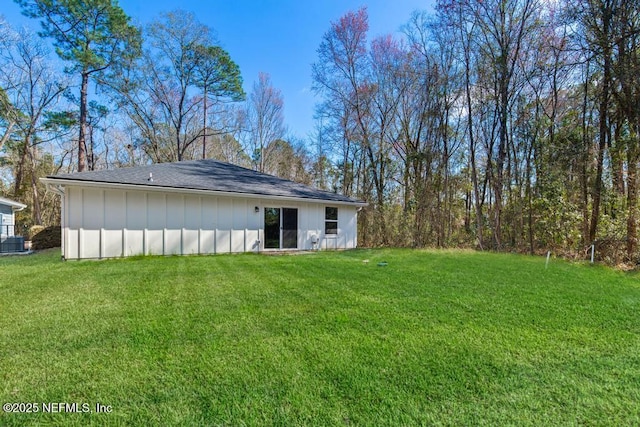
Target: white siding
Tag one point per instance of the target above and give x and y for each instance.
(314, 225)
(191, 234)
(253, 227)
(114, 216)
(156, 223)
(347, 228)
(136, 223)
(208, 214)
(224, 224)
(175, 222)
(92, 223)
(106, 223)
(73, 196)
(238, 230)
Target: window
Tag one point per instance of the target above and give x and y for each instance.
(330, 220)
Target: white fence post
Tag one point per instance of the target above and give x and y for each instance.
(546, 264)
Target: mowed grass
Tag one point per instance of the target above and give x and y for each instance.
(433, 338)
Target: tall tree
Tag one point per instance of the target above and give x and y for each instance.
(505, 28)
(597, 20)
(457, 15)
(430, 102)
(7, 111)
(218, 77)
(92, 35)
(341, 76)
(33, 88)
(626, 94)
(7, 116)
(265, 116)
(159, 92)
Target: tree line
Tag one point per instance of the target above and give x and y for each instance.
(510, 126)
(498, 125)
(111, 94)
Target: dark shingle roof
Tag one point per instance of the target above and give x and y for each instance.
(210, 175)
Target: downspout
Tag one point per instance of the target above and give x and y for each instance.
(55, 188)
(17, 207)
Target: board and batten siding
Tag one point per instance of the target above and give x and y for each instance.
(112, 223)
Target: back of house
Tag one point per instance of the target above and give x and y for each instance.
(197, 207)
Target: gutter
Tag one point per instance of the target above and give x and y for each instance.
(54, 188)
(15, 206)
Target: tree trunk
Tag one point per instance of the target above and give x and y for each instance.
(82, 147)
(36, 211)
(7, 134)
(204, 124)
(632, 199)
(584, 177)
(472, 144)
(498, 185)
(474, 174)
(617, 153)
(602, 145)
(21, 166)
(605, 45)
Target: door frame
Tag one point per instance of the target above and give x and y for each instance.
(281, 209)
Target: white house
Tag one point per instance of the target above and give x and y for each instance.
(9, 242)
(197, 207)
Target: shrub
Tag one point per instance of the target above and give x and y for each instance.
(33, 230)
(49, 237)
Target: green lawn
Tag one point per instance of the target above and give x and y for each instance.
(433, 338)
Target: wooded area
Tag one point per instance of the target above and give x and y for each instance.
(509, 126)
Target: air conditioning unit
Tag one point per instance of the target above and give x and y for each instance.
(11, 244)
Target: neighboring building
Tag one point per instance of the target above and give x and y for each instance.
(9, 239)
(197, 207)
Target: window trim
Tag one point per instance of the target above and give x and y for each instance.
(328, 220)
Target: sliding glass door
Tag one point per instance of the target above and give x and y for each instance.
(272, 228)
(289, 228)
(280, 228)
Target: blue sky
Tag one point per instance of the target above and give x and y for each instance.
(277, 37)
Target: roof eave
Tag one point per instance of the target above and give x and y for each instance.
(51, 181)
(16, 206)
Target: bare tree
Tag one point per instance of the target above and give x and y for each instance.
(159, 92)
(33, 89)
(265, 120)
